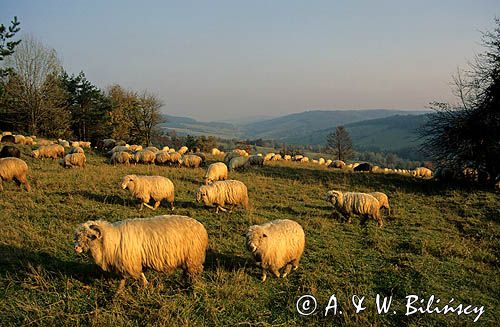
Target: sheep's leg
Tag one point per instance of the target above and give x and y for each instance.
(121, 286)
(220, 208)
(144, 280)
(287, 270)
(150, 207)
(1, 187)
(142, 206)
(295, 264)
(276, 272)
(172, 205)
(157, 204)
(264, 275)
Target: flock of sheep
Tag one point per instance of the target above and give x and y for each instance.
(164, 243)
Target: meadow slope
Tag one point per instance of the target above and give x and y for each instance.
(440, 239)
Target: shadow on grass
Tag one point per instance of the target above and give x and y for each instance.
(228, 262)
(14, 260)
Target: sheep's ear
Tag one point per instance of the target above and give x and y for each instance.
(264, 235)
(97, 230)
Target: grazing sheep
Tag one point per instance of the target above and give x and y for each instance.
(422, 172)
(269, 156)
(63, 143)
(135, 148)
(106, 144)
(162, 243)
(383, 200)
(73, 160)
(145, 156)
(365, 166)
(354, 165)
(43, 142)
(14, 169)
(53, 151)
(75, 144)
(216, 172)
(76, 150)
(152, 149)
(220, 193)
(171, 150)
(229, 156)
(191, 161)
(321, 161)
(297, 157)
(85, 144)
(175, 158)
(276, 157)
(362, 204)
(120, 157)
(10, 151)
(165, 148)
(328, 162)
(287, 157)
(20, 139)
(6, 133)
(314, 161)
(241, 153)
(146, 187)
(162, 157)
(8, 139)
(201, 155)
(237, 162)
(29, 140)
(183, 150)
(255, 160)
(304, 159)
(276, 246)
(215, 152)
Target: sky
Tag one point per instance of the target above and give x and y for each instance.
(225, 60)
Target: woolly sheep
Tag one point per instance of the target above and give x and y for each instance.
(183, 150)
(14, 169)
(314, 161)
(382, 199)
(146, 187)
(175, 158)
(85, 144)
(73, 160)
(255, 160)
(107, 144)
(297, 157)
(20, 139)
(237, 162)
(8, 139)
(337, 164)
(171, 150)
(152, 149)
(229, 156)
(162, 157)
(220, 193)
(10, 151)
(240, 152)
(362, 204)
(76, 150)
(75, 144)
(43, 142)
(53, 151)
(216, 172)
(328, 162)
(269, 156)
(29, 140)
(63, 143)
(120, 157)
(422, 172)
(215, 152)
(145, 156)
(162, 243)
(304, 159)
(118, 148)
(190, 161)
(321, 161)
(365, 166)
(6, 133)
(135, 148)
(165, 148)
(276, 157)
(276, 246)
(287, 157)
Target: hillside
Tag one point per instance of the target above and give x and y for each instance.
(440, 239)
(185, 126)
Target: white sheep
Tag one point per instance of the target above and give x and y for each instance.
(73, 160)
(362, 204)
(14, 169)
(146, 187)
(120, 157)
(276, 246)
(145, 156)
(191, 161)
(183, 150)
(237, 162)
(161, 243)
(76, 150)
(216, 172)
(382, 199)
(220, 193)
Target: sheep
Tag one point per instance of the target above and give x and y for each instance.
(162, 243)
(106, 144)
(145, 156)
(255, 160)
(146, 187)
(171, 150)
(10, 151)
(276, 246)
(43, 142)
(314, 161)
(362, 204)
(6, 133)
(215, 152)
(84, 144)
(175, 158)
(120, 157)
(29, 140)
(229, 156)
(241, 153)
(297, 157)
(118, 148)
(354, 165)
(20, 139)
(53, 151)
(14, 169)
(135, 148)
(383, 200)
(8, 139)
(165, 148)
(152, 149)
(75, 144)
(191, 161)
(216, 172)
(365, 166)
(287, 157)
(63, 143)
(328, 162)
(201, 155)
(76, 150)
(321, 161)
(73, 160)
(162, 157)
(269, 156)
(237, 162)
(276, 157)
(183, 150)
(422, 172)
(220, 193)
(304, 159)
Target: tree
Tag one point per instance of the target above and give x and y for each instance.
(339, 142)
(6, 45)
(145, 116)
(122, 102)
(28, 91)
(88, 106)
(466, 134)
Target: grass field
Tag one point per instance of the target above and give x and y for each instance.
(441, 240)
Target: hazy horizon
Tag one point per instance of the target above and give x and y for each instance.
(225, 60)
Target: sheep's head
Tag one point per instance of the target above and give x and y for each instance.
(334, 197)
(255, 236)
(35, 154)
(127, 180)
(85, 236)
(202, 194)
